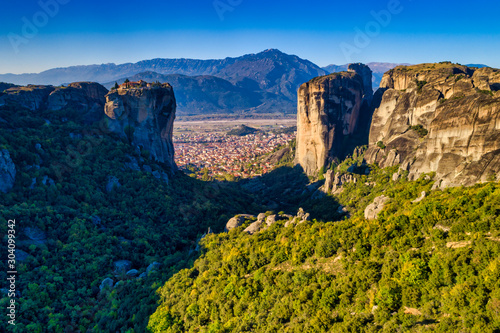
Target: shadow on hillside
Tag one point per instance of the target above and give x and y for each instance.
(288, 189)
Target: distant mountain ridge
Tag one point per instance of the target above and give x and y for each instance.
(205, 94)
(265, 82)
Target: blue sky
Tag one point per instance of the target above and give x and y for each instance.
(39, 35)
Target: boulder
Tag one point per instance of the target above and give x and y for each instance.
(21, 255)
(122, 266)
(7, 171)
(253, 227)
(133, 164)
(302, 216)
(236, 221)
(373, 209)
(47, 181)
(152, 267)
(334, 183)
(106, 283)
(132, 273)
(261, 217)
(271, 219)
(35, 235)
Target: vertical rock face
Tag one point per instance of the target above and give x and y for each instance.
(31, 97)
(7, 171)
(331, 109)
(442, 118)
(145, 114)
(87, 98)
(366, 75)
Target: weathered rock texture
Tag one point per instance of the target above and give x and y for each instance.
(373, 209)
(86, 98)
(145, 115)
(7, 171)
(460, 109)
(31, 97)
(333, 182)
(331, 109)
(366, 75)
(236, 221)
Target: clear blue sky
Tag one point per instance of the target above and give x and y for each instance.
(93, 32)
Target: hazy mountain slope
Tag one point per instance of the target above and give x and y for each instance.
(225, 68)
(203, 94)
(265, 82)
(108, 72)
(272, 71)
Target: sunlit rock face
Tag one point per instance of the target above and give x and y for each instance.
(145, 114)
(458, 110)
(331, 110)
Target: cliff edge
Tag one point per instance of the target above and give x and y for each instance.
(144, 113)
(332, 110)
(442, 118)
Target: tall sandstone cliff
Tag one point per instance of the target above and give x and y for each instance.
(145, 115)
(332, 110)
(455, 114)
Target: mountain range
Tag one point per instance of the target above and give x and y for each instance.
(265, 82)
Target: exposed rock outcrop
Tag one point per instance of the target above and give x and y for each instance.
(237, 221)
(420, 198)
(7, 171)
(87, 98)
(153, 267)
(32, 97)
(442, 118)
(255, 226)
(366, 75)
(122, 266)
(330, 110)
(373, 209)
(107, 283)
(145, 115)
(333, 183)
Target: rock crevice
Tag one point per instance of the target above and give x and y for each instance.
(441, 118)
(332, 110)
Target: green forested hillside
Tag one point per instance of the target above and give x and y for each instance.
(432, 265)
(63, 190)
